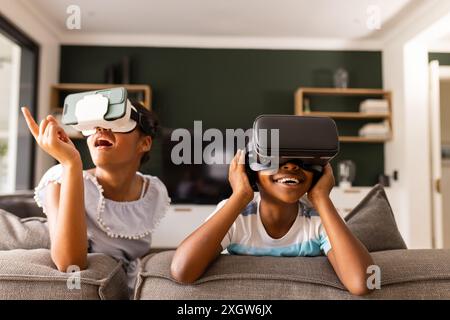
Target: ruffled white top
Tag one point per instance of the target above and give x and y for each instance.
(122, 230)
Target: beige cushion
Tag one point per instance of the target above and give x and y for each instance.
(28, 272)
(405, 274)
(28, 233)
(31, 274)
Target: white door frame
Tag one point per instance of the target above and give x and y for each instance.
(444, 75)
(437, 74)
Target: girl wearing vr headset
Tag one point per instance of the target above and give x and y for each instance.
(279, 221)
(110, 209)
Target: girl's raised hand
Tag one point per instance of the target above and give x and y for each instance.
(52, 139)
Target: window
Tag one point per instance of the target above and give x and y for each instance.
(18, 83)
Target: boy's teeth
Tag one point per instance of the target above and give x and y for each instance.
(288, 181)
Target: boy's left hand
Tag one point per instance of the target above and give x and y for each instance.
(323, 187)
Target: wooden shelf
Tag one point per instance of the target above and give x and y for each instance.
(343, 91)
(56, 89)
(98, 86)
(369, 93)
(348, 115)
(363, 139)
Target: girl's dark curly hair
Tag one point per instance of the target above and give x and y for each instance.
(150, 120)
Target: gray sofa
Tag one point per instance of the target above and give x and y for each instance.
(405, 274)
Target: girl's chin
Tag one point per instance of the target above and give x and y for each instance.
(108, 161)
(103, 162)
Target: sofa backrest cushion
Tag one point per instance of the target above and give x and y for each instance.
(21, 204)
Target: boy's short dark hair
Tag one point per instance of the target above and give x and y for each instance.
(151, 121)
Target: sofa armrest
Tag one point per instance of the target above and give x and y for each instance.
(31, 274)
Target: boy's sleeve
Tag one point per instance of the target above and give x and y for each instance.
(324, 242)
(227, 239)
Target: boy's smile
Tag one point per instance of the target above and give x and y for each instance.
(288, 185)
(289, 180)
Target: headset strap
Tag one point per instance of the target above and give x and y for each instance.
(137, 116)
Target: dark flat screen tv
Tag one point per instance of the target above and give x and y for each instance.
(189, 183)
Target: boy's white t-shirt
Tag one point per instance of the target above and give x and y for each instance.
(248, 236)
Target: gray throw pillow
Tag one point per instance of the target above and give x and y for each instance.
(28, 233)
(373, 222)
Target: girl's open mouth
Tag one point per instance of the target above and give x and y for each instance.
(103, 143)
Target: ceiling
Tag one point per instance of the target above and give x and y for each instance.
(343, 19)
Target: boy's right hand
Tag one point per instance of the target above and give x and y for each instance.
(238, 177)
(53, 139)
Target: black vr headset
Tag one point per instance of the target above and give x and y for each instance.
(309, 142)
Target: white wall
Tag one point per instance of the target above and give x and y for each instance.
(393, 79)
(27, 21)
(409, 150)
(405, 72)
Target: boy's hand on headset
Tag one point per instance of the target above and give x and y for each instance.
(238, 177)
(323, 187)
(52, 139)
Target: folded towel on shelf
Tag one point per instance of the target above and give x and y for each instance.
(374, 106)
(374, 110)
(375, 130)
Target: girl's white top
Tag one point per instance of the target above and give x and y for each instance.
(122, 230)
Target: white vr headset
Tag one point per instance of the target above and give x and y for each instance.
(108, 109)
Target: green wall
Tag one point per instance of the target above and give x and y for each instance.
(443, 58)
(228, 88)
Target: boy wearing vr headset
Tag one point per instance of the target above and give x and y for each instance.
(112, 208)
(292, 215)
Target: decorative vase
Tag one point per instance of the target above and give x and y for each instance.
(341, 78)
